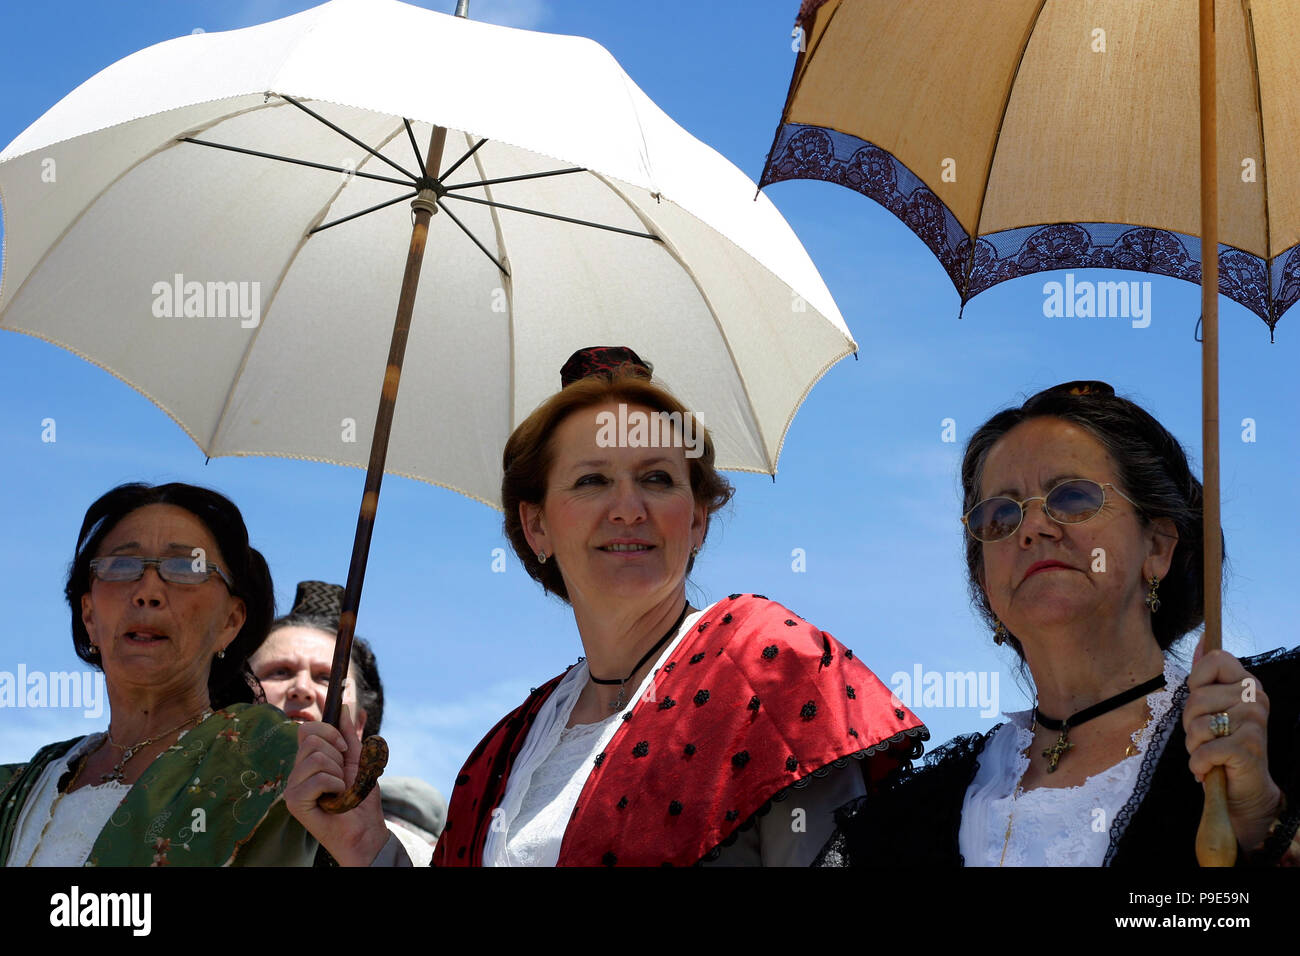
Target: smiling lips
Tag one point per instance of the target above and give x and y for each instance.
(625, 547)
(1045, 566)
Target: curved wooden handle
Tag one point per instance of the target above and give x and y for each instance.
(1216, 843)
(374, 758)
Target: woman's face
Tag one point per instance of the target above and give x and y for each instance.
(619, 521)
(1047, 573)
(293, 666)
(153, 633)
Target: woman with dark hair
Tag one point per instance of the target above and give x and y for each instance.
(679, 732)
(169, 600)
(1084, 552)
(293, 666)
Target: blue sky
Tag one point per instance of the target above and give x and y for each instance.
(867, 486)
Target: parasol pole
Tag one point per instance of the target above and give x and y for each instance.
(1216, 844)
(374, 751)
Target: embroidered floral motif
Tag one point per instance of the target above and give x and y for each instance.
(812, 152)
(161, 847)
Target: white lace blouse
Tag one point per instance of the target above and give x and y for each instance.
(556, 761)
(54, 831)
(1063, 826)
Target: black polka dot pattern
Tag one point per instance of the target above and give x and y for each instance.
(600, 758)
(753, 703)
(726, 619)
(622, 803)
(808, 711)
(702, 627)
(740, 759)
(674, 808)
(689, 750)
(791, 764)
(701, 698)
(732, 815)
(770, 652)
(790, 623)
(667, 703)
(899, 714)
(853, 694)
(641, 749)
(609, 859)
(697, 658)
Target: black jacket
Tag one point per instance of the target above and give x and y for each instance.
(913, 818)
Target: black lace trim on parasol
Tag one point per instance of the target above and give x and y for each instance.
(812, 152)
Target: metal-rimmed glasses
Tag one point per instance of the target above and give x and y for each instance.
(1073, 501)
(176, 570)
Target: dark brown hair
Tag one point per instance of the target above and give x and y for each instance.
(528, 457)
(1153, 472)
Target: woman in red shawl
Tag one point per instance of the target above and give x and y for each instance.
(724, 735)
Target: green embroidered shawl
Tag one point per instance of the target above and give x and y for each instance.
(211, 799)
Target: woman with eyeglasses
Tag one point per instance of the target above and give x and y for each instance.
(169, 600)
(1083, 547)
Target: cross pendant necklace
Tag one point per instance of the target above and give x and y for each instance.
(1059, 749)
(1055, 752)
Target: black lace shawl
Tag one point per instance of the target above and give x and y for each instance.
(913, 818)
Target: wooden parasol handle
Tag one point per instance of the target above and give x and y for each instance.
(374, 753)
(1216, 843)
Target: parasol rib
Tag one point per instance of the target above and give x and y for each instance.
(299, 162)
(473, 238)
(551, 215)
(346, 135)
(456, 165)
(357, 215)
(513, 179)
(410, 133)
